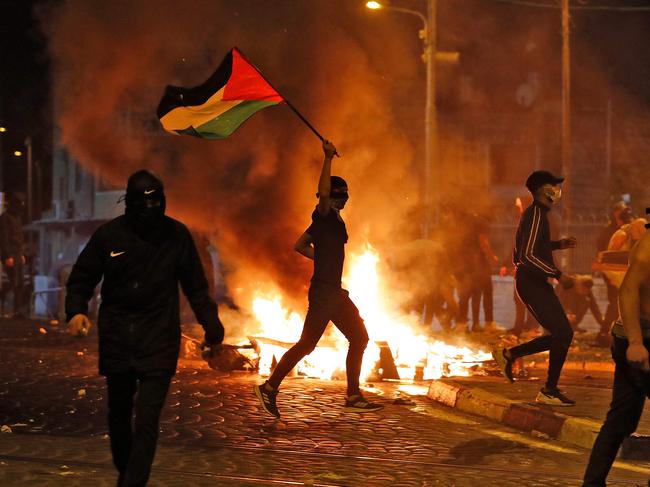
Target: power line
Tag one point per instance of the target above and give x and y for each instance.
(611, 8)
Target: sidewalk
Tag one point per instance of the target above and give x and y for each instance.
(514, 405)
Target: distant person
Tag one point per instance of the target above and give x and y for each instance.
(12, 250)
(621, 214)
(324, 243)
(474, 271)
(629, 234)
(630, 351)
(579, 299)
(534, 261)
(143, 257)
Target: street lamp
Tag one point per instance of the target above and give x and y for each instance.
(18, 153)
(430, 56)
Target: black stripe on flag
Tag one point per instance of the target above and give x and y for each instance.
(176, 96)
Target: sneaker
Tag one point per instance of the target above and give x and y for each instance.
(553, 397)
(504, 363)
(359, 404)
(267, 399)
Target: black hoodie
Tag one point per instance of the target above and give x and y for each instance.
(139, 322)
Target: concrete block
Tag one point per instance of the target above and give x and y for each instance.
(482, 403)
(444, 392)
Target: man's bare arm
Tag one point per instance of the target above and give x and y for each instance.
(629, 301)
(324, 183)
(304, 246)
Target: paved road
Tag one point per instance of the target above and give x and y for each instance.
(212, 433)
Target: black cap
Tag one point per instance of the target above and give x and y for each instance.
(144, 183)
(537, 179)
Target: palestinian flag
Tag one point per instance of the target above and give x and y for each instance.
(215, 109)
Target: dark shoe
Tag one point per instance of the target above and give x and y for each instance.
(553, 397)
(267, 399)
(505, 364)
(358, 404)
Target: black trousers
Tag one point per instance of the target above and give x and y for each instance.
(473, 286)
(542, 302)
(133, 442)
(327, 303)
(631, 388)
(15, 275)
(611, 313)
(523, 319)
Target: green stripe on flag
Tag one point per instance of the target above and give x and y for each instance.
(226, 123)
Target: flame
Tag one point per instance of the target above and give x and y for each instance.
(408, 343)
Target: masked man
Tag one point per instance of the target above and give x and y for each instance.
(323, 242)
(534, 263)
(142, 257)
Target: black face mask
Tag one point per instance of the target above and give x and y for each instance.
(146, 213)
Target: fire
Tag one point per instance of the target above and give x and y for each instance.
(412, 350)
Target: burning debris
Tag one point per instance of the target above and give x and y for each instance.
(399, 348)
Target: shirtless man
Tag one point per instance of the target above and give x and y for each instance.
(631, 342)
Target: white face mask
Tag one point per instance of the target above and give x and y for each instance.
(553, 193)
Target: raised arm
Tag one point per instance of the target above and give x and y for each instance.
(324, 183)
(629, 302)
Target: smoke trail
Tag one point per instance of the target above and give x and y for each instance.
(254, 191)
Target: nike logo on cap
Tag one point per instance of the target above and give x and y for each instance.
(115, 254)
(149, 191)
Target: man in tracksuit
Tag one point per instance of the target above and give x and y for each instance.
(534, 264)
(142, 257)
(324, 243)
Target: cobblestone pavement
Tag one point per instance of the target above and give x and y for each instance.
(212, 433)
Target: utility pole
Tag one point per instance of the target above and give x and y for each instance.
(30, 195)
(566, 114)
(431, 159)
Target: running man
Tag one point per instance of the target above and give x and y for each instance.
(533, 260)
(323, 242)
(630, 351)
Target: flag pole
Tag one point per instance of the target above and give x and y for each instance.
(289, 104)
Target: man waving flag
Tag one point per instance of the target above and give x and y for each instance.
(215, 109)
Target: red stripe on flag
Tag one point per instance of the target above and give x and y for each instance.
(246, 83)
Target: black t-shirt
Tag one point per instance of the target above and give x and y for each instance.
(330, 236)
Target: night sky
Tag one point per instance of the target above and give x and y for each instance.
(613, 41)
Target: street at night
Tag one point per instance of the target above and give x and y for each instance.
(324, 243)
(212, 432)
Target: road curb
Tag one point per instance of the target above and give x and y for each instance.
(522, 416)
(587, 366)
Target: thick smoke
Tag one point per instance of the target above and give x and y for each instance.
(254, 191)
(357, 76)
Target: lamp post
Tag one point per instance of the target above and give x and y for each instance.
(566, 121)
(2, 131)
(431, 192)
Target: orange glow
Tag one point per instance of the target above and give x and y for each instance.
(410, 347)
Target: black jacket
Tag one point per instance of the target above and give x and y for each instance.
(533, 244)
(139, 322)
